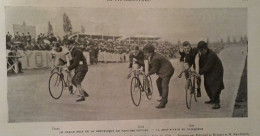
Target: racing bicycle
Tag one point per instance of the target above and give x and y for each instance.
(140, 83)
(57, 82)
(190, 87)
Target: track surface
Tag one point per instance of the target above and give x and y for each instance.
(109, 89)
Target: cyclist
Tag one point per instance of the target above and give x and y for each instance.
(136, 58)
(61, 57)
(188, 59)
(138, 55)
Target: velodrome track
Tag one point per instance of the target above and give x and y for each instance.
(29, 99)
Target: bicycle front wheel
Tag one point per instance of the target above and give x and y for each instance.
(135, 91)
(55, 85)
(189, 94)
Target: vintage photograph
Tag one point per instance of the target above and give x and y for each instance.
(96, 64)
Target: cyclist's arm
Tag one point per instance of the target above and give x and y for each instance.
(182, 56)
(67, 55)
(197, 68)
(131, 57)
(53, 58)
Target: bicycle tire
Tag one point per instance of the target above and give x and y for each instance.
(189, 94)
(149, 97)
(57, 81)
(135, 90)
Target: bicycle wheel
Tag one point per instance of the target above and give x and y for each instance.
(55, 85)
(194, 91)
(189, 94)
(135, 91)
(149, 97)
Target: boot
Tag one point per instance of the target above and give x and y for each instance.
(216, 106)
(82, 98)
(161, 105)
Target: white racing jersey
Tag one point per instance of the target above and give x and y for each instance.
(61, 55)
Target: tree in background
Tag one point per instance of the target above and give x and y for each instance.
(208, 40)
(50, 29)
(82, 29)
(228, 41)
(242, 40)
(245, 39)
(234, 40)
(67, 27)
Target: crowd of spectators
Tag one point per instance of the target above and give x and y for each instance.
(92, 45)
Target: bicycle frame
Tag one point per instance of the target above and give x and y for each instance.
(60, 69)
(138, 72)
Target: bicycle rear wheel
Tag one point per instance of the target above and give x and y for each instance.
(189, 94)
(55, 85)
(149, 97)
(135, 91)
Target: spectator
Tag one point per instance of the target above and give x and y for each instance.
(14, 53)
(211, 67)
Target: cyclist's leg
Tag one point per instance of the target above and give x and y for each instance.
(187, 81)
(58, 63)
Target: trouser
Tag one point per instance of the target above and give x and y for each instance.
(20, 66)
(213, 95)
(163, 87)
(77, 79)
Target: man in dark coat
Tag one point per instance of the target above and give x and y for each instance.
(163, 68)
(211, 67)
(78, 63)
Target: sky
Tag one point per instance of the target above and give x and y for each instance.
(168, 24)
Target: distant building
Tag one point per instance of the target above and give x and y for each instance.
(25, 29)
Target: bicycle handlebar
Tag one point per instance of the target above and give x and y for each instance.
(136, 70)
(59, 68)
(193, 73)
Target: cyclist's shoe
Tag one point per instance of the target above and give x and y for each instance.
(149, 91)
(209, 102)
(85, 94)
(161, 105)
(71, 89)
(198, 92)
(82, 98)
(216, 106)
